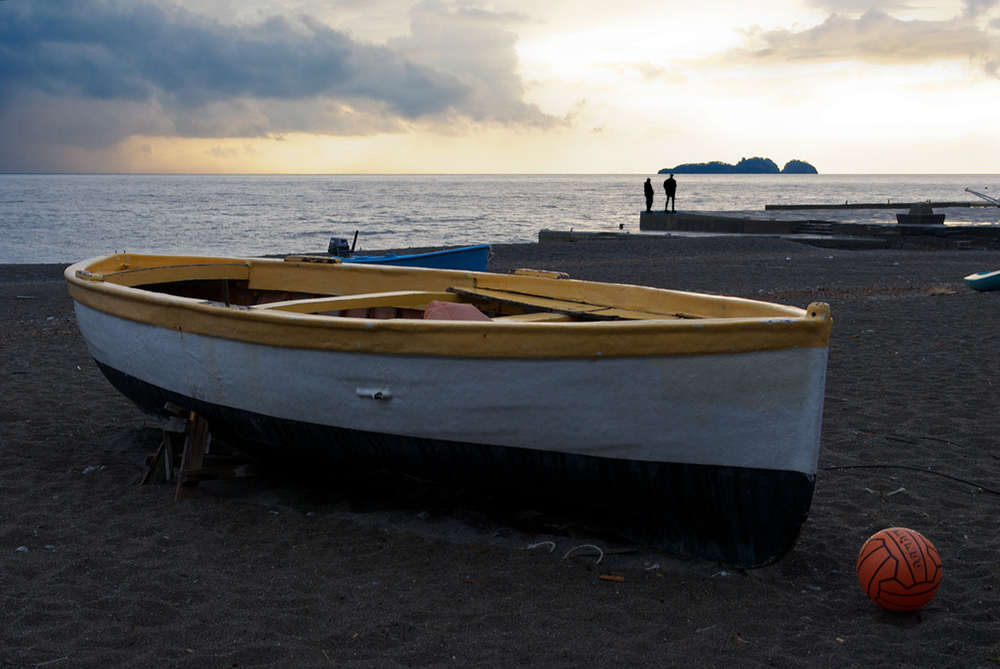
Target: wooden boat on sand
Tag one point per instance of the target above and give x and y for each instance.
(688, 422)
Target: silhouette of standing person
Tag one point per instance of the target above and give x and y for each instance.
(671, 187)
(648, 187)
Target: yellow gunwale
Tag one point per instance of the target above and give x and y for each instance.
(135, 276)
(719, 324)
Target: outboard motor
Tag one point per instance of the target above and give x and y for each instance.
(339, 247)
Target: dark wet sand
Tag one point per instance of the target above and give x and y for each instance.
(276, 573)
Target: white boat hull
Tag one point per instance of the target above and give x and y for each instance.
(760, 410)
(691, 423)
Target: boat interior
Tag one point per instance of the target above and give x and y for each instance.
(495, 305)
(302, 286)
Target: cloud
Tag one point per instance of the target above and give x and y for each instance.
(646, 71)
(874, 37)
(859, 6)
(231, 152)
(475, 45)
(971, 8)
(115, 68)
(977, 8)
(126, 51)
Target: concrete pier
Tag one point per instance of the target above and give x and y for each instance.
(828, 233)
(687, 222)
(887, 205)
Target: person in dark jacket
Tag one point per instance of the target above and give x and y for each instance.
(648, 187)
(671, 187)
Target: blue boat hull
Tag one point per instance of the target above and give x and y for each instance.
(984, 281)
(469, 258)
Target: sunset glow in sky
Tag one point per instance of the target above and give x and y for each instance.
(463, 86)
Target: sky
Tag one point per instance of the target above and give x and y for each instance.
(508, 86)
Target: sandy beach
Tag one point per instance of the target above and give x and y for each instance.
(97, 571)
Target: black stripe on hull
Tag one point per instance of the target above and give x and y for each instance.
(741, 516)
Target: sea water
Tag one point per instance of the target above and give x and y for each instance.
(64, 218)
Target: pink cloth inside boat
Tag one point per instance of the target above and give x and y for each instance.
(453, 311)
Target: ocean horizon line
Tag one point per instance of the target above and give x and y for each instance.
(488, 174)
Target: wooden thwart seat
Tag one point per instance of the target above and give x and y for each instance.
(399, 298)
(580, 310)
(535, 317)
(545, 309)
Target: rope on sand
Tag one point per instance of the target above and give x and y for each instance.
(550, 544)
(926, 470)
(576, 548)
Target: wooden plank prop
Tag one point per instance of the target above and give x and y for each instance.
(195, 446)
(184, 458)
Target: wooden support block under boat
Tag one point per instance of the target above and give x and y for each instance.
(153, 464)
(186, 440)
(218, 467)
(215, 467)
(194, 453)
(174, 431)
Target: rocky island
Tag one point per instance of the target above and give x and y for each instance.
(754, 165)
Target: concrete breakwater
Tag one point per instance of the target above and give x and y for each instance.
(870, 205)
(827, 233)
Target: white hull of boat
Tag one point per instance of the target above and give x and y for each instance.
(760, 409)
(687, 422)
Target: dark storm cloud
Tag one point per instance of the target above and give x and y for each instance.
(137, 51)
(87, 74)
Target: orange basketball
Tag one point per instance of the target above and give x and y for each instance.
(899, 569)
